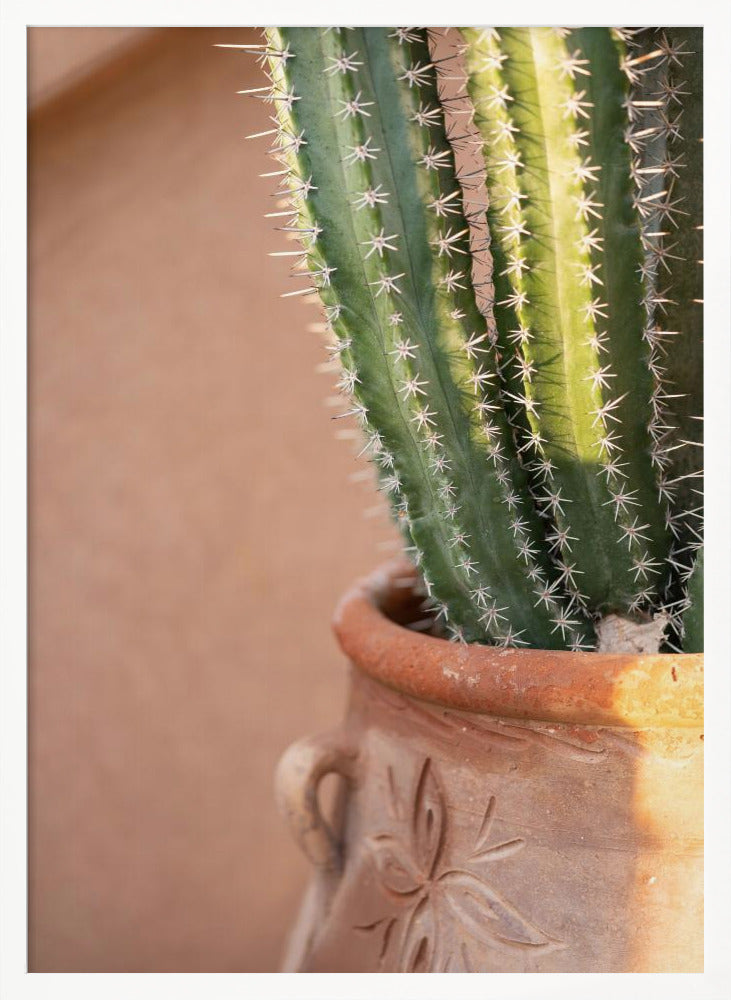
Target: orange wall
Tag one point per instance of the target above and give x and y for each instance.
(192, 523)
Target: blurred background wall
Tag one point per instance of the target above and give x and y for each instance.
(191, 520)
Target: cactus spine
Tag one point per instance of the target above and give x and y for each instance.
(524, 448)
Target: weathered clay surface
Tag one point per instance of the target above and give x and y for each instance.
(562, 833)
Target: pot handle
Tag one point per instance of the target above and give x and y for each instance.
(298, 775)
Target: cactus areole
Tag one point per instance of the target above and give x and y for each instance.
(520, 341)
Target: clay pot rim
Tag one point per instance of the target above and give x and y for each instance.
(660, 690)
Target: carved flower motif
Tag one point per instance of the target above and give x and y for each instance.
(434, 895)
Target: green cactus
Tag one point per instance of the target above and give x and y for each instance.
(528, 444)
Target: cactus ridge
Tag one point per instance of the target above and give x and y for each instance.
(665, 134)
(525, 447)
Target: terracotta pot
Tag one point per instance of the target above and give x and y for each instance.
(500, 810)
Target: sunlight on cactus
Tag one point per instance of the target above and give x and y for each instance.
(538, 444)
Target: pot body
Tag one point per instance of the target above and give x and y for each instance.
(475, 841)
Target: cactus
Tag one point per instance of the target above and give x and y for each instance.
(530, 442)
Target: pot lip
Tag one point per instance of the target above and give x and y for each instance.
(584, 688)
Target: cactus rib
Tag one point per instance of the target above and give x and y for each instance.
(549, 108)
